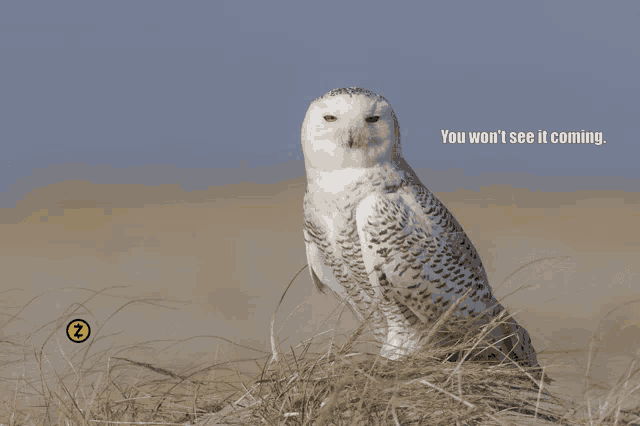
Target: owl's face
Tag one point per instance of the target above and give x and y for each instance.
(349, 131)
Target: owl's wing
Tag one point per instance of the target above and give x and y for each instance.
(417, 253)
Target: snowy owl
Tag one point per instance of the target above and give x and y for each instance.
(381, 241)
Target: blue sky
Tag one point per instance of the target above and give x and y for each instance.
(215, 84)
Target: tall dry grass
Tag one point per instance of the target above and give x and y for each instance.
(329, 379)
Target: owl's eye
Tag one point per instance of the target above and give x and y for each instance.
(330, 118)
(372, 119)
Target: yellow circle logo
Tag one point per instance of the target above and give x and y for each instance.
(78, 330)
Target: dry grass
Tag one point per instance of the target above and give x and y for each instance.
(330, 379)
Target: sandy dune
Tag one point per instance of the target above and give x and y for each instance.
(218, 260)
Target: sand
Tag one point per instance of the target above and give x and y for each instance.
(215, 262)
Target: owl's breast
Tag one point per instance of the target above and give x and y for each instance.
(332, 226)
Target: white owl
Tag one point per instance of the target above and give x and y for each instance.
(381, 241)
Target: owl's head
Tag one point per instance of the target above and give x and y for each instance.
(350, 128)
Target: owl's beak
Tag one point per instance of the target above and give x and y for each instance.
(353, 136)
